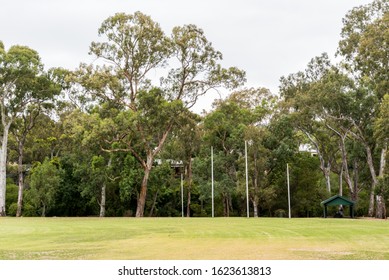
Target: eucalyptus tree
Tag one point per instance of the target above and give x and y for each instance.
(23, 82)
(318, 97)
(381, 131)
(85, 137)
(45, 179)
(260, 105)
(261, 193)
(324, 98)
(135, 49)
(21, 128)
(224, 130)
(381, 134)
(184, 146)
(234, 120)
(27, 121)
(282, 142)
(363, 45)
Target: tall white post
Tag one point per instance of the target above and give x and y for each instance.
(213, 207)
(287, 176)
(182, 195)
(247, 180)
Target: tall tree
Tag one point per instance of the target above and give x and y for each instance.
(363, 45)
(364, 42)
(319, 97)
(235, 119)
(27, 120)
(224, 131)
(260, 105)
(22, 126)
(22, 82)
(136, 45)
(183, 146)
(44, 180)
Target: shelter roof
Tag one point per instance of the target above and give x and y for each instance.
(337, 200)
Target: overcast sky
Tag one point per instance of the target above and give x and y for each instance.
(267, 39)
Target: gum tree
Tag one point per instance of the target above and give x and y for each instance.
(136, 48)
(364, 47)
(22, 84)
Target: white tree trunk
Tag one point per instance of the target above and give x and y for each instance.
(341, 181)
(346, 173)
(255, 206)
(21, 181)
(383, 160)
(381, 207)
(373, 177)
(3, 168)
(189, 187)
(103, 199)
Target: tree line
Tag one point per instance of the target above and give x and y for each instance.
(109, 139)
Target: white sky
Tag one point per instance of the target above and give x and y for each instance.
(267, 39)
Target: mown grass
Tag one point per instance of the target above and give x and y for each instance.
(195, 238)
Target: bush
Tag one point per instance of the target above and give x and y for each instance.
(11, 198)
(12, 209)
(197, 211)
(280, 213)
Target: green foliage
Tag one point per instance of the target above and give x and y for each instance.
(136, 44)
(280, 213)
(381, 124)
(45, 179)
(131, 176)
(11, 198)
(364, 45)
(306, 191)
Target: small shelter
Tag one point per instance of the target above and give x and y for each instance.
(338, 200)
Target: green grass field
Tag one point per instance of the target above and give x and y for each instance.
(195, 238)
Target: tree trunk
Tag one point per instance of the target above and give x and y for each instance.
(140, 209)
(327, 172)
(342, 146)
(103, 199)
(346, 173)
(373, 177)
(3, 168)
(44, 210)
(341, 181)
(381, 207)
(21, 179)
(154, 203)
(383, 160)
(255, 199)
(189, 187)
(356, 177)
(255, 206)
(226, 205)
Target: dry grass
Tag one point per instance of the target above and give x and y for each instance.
(197, 238)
